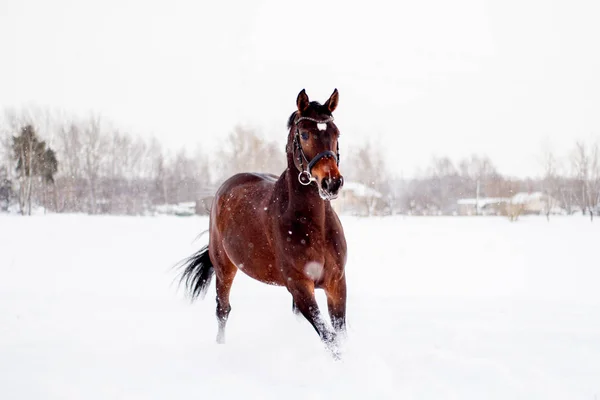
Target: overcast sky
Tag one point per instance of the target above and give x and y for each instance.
(418, 78)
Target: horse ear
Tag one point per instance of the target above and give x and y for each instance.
(332, 102)
(302, 101)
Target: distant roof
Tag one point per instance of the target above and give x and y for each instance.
(524, 197)
(361, 190)
(483, 201)
(519, 198)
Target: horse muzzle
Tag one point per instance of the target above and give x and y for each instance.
(329, 187)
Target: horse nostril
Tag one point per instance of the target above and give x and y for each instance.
(335, 185)
(325, 183)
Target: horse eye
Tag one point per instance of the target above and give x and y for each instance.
(304, 135)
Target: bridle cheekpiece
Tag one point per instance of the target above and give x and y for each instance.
(305, 176)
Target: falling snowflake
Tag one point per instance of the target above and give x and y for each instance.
(314, 270)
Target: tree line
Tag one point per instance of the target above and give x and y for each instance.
(569, 184)
(87, 165)
(64, 163)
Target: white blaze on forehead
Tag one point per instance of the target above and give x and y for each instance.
(313, 270)
(322, 126)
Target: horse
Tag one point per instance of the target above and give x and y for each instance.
(282, 230)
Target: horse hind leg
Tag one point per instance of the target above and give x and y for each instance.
(225, 278)
(222, 316)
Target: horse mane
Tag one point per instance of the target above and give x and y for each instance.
(313, 105)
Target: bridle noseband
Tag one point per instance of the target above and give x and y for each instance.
(305, 175)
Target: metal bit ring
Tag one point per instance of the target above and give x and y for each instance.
(305, 178)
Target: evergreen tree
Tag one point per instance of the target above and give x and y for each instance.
(5, 190)
(33, 160)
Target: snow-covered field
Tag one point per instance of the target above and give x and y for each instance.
(439, 308)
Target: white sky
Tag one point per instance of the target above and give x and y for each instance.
(416, 78)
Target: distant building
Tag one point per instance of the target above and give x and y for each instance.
(536, 203)
(358, 199)
(520, 203)
(483, 206)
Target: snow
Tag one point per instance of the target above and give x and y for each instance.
(438, 308)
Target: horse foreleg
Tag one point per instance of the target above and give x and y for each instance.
(224, 282)
(303, 292)
(294, 308)
(336, 304)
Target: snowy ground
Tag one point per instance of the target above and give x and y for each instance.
(439, 308)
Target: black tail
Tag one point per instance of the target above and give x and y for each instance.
(197, 274)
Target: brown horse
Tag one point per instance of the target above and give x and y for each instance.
(283, 230)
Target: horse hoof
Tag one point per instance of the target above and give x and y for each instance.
(335, 352)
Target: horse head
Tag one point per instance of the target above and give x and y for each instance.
(313, 145)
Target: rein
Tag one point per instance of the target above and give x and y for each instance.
(305, 175)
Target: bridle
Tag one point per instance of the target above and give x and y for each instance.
(305, 175)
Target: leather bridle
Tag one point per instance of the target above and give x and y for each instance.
(305, 175)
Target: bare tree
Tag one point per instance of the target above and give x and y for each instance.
(443, 178)
(6, 158)
(245, 151)
(106, 170)
(70, 139)
(13, 121)
(183, 181)
(594, 180)
(551, 181)
(580, 161)
(136, 177)
(94, 151)
(394, 190)
(70, 149)
(366, 165)
(160, 173)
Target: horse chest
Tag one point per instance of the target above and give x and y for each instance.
(309, 250)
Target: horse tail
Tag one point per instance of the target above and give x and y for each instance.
(197, 274)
